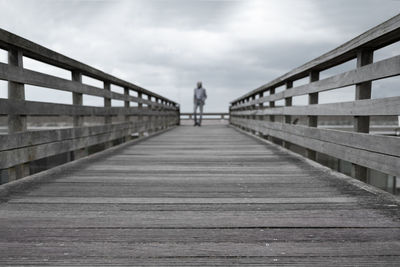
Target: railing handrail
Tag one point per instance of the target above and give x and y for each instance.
(297, 125)
(107, 125)
(206, 113)
(35, 51)
(382, 35)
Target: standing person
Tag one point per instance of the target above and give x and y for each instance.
(199, 98)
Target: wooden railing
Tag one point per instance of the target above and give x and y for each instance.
(22, 146)
(206, 116)
(256, 111)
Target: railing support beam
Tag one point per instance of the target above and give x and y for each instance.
(288, 103)
(253, 107)
(150, 119)
(140, 117)
(260, 106)
(361, 123)
(312, 120)
(77, 100)
(16, 122)
(271, 105)
(127, 103)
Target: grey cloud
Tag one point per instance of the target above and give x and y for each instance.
(167, 46)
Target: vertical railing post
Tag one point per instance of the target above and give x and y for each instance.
(260, 107)
(243, 116)
(253, 117)
(160, 116)
(157, 117)
(77, 100)
(248, 117)
(178, 111)
(288, 103)
(230, 112)
(140, 117)
(127, 105)
(167, 117)
(175, 116)
(271, 105)
(16, 91)
(107, 105)
(312, 120)
(240, 102)
(163, 114)
(150, 116)
(361, 123)
(16, 122)
(238, 109)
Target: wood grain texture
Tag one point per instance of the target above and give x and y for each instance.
(198, 196)
(379, 70)
(26, 76)
(342, 150)
(52, 109)
(30, 153)
(389, 145)
(369, 107)
(24, 139)
(25, 147)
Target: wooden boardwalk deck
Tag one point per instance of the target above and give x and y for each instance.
(199, 196)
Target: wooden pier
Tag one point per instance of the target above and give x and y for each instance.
(131, 186)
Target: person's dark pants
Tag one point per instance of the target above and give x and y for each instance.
(199, 105)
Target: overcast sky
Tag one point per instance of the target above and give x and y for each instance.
(167, 46)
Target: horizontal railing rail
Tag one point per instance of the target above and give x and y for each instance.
(206, 116)
(258, 111)
(91, 128)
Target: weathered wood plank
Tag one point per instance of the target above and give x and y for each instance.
(376, 143)
(289, 261)
(191, 219)
(181, 200)
(198, 196)
(245, 235)
(38, 52)
(379, 70)
(52, 109)
(26, 76)
(206, 249)
(31, 153)
(369, 107)
(23, 139)
(61, 141)
(381, 162)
